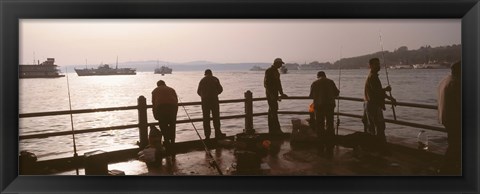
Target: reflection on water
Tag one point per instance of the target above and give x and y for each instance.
(42, 95)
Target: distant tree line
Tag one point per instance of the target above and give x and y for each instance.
(443, 55)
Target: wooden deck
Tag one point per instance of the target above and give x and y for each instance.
(286, 159)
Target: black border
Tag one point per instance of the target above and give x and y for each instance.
(12, 10)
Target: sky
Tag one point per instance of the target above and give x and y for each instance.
(95, 41)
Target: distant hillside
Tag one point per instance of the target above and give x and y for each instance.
(443, 55)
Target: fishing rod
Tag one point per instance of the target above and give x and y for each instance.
(386, 73)
(212, 162)
(338, 98)
(75, 155)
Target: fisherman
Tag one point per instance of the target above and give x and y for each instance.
(323, 91)
(165, 108)
(273, 87)
(208, 89)
(449, 114)
(375, 101)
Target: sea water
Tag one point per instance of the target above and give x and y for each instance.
(91, 92)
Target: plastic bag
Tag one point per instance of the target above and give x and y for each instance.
(147, 155)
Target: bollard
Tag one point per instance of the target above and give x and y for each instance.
(96, 163)
(142, 121)
(249, 113)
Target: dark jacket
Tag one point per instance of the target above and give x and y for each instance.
(324, 91)
(450, 101)
(164, 95)
(272, 82)
(374, 93)
(209, 88)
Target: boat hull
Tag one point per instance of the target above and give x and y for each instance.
(82, 72)
(40, 76)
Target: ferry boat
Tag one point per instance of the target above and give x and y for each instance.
(163, 70)
(105, 69)
(244, 153)
(46, 69)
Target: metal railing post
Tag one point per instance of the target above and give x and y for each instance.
(249, 112)
(142, 121)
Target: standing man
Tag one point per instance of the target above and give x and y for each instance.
(165, 108)
(323, 92)
(449, 114)
(375, 101)
(208, 89)
(273, 87)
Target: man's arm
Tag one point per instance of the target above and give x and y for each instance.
(311, 91)
(175, 94)
(220, 88)
(199, 89)
(280, 89)
(336, 91)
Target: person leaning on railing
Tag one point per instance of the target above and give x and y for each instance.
(273, 87)
(165, 108)
(208, 89)
(323, 91)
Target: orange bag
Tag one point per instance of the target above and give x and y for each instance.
(311, 108)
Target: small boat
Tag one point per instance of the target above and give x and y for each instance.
(257, 68)
(401, 67)
(283, 70)
(46, 69)
(429, 66)
(163, 70)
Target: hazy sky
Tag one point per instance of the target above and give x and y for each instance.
(71, 42)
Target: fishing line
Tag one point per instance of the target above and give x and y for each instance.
(386, 73)
(213, 161)
(338, 98)
(75, 155)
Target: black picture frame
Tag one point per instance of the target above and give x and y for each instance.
(13, 10)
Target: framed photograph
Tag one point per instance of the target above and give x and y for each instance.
(239, 96)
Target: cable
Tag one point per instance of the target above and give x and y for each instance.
(386, 73)
(338, 98)
(213, 162)
(75, 155)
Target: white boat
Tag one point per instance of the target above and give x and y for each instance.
(163, 70)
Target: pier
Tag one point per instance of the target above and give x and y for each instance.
(405, 160)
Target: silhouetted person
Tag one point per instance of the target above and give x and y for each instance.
(323, 92)
(273, 87)
(375, 101)
(449, 114)
(165, 108)
(208, 89)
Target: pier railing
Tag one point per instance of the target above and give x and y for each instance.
(143, 122)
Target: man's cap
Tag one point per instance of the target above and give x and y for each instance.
(278, 60)
(321, 74)
(208, 72)
(373, 60)
(161, 83)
